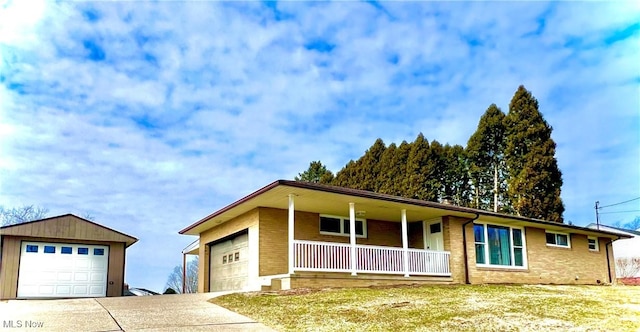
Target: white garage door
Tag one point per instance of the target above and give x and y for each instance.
(229, 264)
(62, 270)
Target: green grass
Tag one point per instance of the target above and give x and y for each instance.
(444, 308)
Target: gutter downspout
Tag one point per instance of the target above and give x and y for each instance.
(606, 248)
(464, 246)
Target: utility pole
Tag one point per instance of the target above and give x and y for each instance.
(597, 217)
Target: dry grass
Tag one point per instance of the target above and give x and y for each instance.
(445, 308)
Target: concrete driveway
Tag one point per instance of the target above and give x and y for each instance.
(180, 312)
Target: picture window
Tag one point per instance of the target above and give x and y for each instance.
(499, 245)
(341, 226)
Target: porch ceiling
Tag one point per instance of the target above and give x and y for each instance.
(324, 202)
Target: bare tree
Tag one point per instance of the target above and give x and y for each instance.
(630, 225)
(627, 267)
(175, 278)
(22, 214)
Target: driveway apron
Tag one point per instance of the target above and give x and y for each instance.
(180, 312)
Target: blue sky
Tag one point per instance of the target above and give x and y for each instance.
(151, 115)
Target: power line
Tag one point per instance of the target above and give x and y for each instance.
(620, 212)
(631, 200)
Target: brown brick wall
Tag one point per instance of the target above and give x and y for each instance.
(274, 248)
(416, 235)
(452, 233)
(232, 226)
(273, 236)
(546, 265)
(307, 227)
(335, 280)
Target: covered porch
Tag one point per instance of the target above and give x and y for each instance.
(310, 256)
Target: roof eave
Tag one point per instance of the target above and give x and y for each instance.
(390, 198)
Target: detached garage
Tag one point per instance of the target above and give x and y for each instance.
(61, 257)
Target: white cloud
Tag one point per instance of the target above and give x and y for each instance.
(196, 104)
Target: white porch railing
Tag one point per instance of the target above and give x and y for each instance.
(336, 257)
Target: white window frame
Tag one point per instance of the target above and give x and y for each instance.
(525, 261)
(556, 239)
(342, 222)
(594, 238)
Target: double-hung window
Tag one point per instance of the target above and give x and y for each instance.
(555, 239)
(334, 225)
(499, 246)
(593, 243)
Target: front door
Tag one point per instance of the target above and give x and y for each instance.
(433, 235)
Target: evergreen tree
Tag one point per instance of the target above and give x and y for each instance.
(317, 173)
(435, 171)
(485, 152)
(363, 173)
(388, 171)
(456, 183)
(369, 167)
(534, 181)
(346, 176)
(416, 177)
(393, 170)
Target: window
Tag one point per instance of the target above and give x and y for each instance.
(478, 234)
(435, 228)
(593, 243)
(65, 250)
(230, 258)
(83, 251)
(558, 240)
(32, 248)
(49, 249)
(224, 259)
(98, 252)
(332, 225)
(237, 256)
(499, 246)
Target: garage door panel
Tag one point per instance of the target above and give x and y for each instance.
(64, 276)
(80, 276)
(229, 264)
(62, 270)
(46, 289)
(80, 290)
(97, 277)
(63, 290)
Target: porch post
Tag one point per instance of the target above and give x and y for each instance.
(290, 228)
(405, 244)
(352, 237)
(184, 273)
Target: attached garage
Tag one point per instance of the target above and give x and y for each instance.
(229, 263)
(61, 257)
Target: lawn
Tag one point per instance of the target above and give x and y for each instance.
(445, 308)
